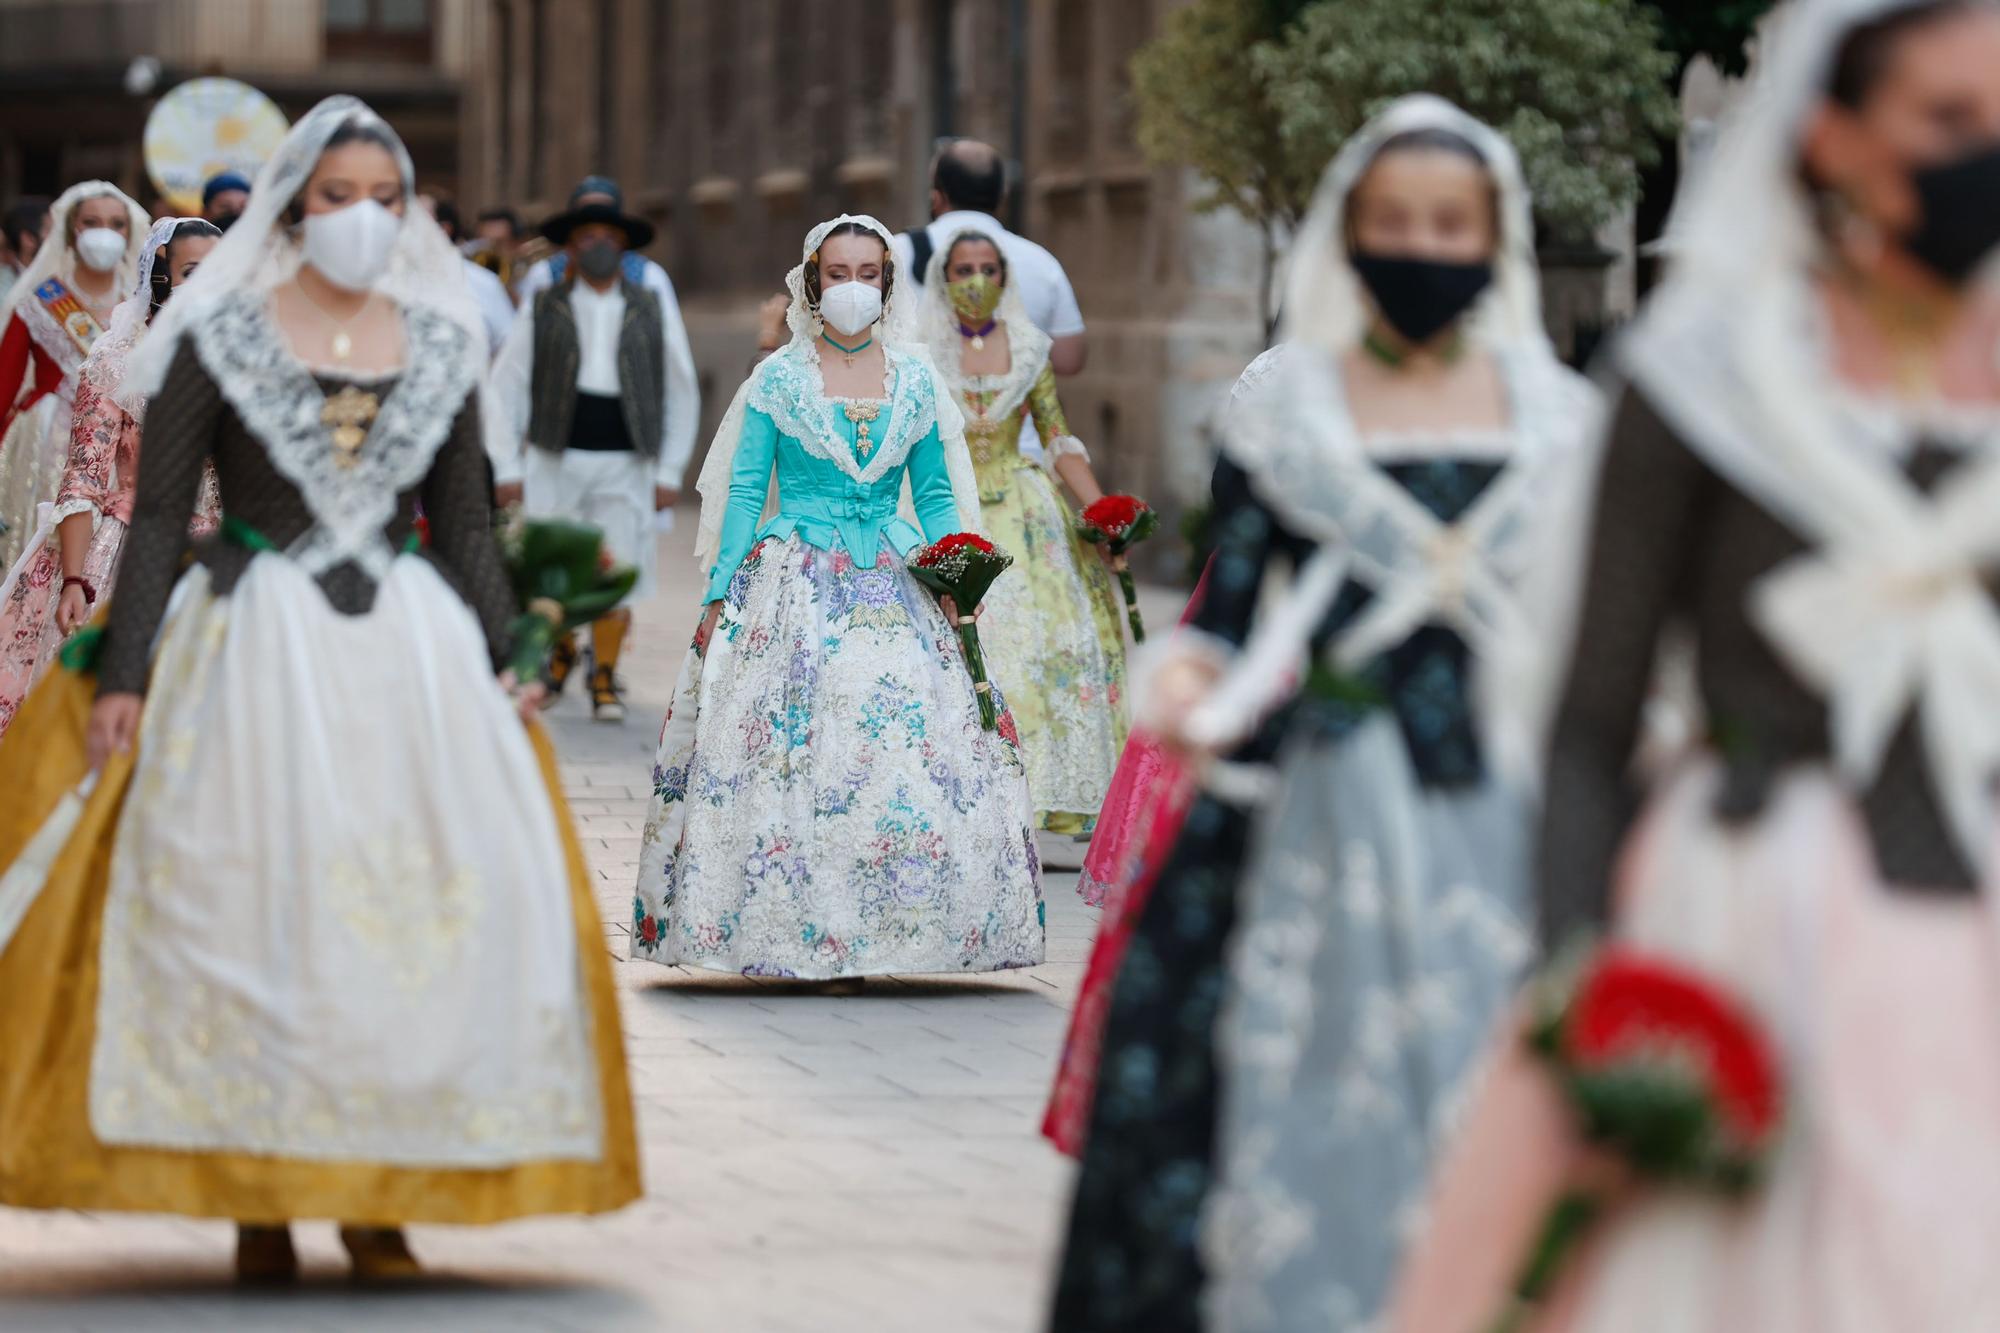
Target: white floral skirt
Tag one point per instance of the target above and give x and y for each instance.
(825, 801)
(337, 925)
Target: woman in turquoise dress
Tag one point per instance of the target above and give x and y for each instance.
(826, 802)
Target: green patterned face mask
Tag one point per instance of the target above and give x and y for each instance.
(975, 298)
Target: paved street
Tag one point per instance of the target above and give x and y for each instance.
(812, 1163)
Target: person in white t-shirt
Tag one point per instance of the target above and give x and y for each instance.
(968, 186)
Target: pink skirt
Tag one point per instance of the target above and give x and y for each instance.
(1881, 1207)
(1143, 793)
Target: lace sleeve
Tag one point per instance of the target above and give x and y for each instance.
(181, 425)
(458, 502)
(93, 446)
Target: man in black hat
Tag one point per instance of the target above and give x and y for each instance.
(638, 268)
(596, 386)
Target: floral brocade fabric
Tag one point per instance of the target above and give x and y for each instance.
(825, 801)
(1053, 628)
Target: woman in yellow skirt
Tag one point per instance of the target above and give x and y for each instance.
(293, 923)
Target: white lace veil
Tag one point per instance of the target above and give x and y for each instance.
(896, 331)
(1325, 303)
(108, 360)
(261, 251)
(938, 325)
(57, 257)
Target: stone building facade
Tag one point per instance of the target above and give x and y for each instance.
(737, 124)
(68, 112)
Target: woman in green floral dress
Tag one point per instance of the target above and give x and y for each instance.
(1053, 634)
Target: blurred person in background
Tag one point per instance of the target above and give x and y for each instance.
(496, 308)
(323, 864)
(597, 388)
(22, 229)
(1279, 1059)
(1802, 471)
(496, 247)
(54, 315)
(223, 197)
(66, 571)
(633, 266)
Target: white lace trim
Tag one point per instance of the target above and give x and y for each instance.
(789, 389)
(279, 402)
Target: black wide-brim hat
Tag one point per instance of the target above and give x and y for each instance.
(638, 232)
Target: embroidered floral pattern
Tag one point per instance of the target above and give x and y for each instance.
(825, 800)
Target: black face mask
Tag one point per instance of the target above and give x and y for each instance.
(1421, 297)
(1961, 214)
(599, 260)
(224, 221)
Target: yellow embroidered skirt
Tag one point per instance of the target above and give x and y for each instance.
(231, 985)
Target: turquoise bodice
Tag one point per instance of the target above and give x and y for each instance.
(823, 504)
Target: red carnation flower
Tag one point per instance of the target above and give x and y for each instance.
(957, 541)
(649, 931)
(1114, 513)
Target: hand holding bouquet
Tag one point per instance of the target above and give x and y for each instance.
(565, 578)
(1665, 1073)
(1118, 523)
(962, 567)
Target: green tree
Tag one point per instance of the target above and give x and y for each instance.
(1202, 104)
(1257, 95)
(1578, 86)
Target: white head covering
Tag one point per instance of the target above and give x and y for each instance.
(1887, 610)
(1325, 302)
(1293, 433)
(108, 360)
(797, 364)
(57, 257)
(261, 251)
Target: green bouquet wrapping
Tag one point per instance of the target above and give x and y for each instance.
(564, 578)
(962, 567)
(1118, 523)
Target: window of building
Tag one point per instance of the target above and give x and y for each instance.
(378, 30)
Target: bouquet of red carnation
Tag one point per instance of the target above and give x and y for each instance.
(1118, 523)
(1663, 1070)
(962, 567)
(565, 577)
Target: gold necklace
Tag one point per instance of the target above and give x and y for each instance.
(342, 344)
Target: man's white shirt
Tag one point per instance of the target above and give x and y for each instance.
(599, 319)
(1034, 272)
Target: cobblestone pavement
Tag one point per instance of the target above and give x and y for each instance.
(813, 1164)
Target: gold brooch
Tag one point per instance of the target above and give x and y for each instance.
(861, 414)
(347, 416)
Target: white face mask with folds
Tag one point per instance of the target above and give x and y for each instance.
(351, 247)
(851, 307)
(100, 248)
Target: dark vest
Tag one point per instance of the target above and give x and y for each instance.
(642, 369)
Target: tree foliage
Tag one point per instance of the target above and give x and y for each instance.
(1718, 29)
(1578, 86)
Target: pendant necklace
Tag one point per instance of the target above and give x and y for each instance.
(848, 353)
(978, 336)
(342, 344)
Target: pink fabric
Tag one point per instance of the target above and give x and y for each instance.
(1137, 828)
(101, 472)
(1880, 1208)
(1124, 824)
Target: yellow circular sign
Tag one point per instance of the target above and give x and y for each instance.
(204, 127)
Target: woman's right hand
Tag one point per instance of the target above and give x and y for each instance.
(73, 610)
(114, 722)
(1178, 688)
(707, 630)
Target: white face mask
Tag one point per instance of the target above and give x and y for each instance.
(100, 248)
(851, 307)
(351, 247)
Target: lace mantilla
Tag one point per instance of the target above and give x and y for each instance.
(1028, 347)
(280, 403)
(789, 389)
